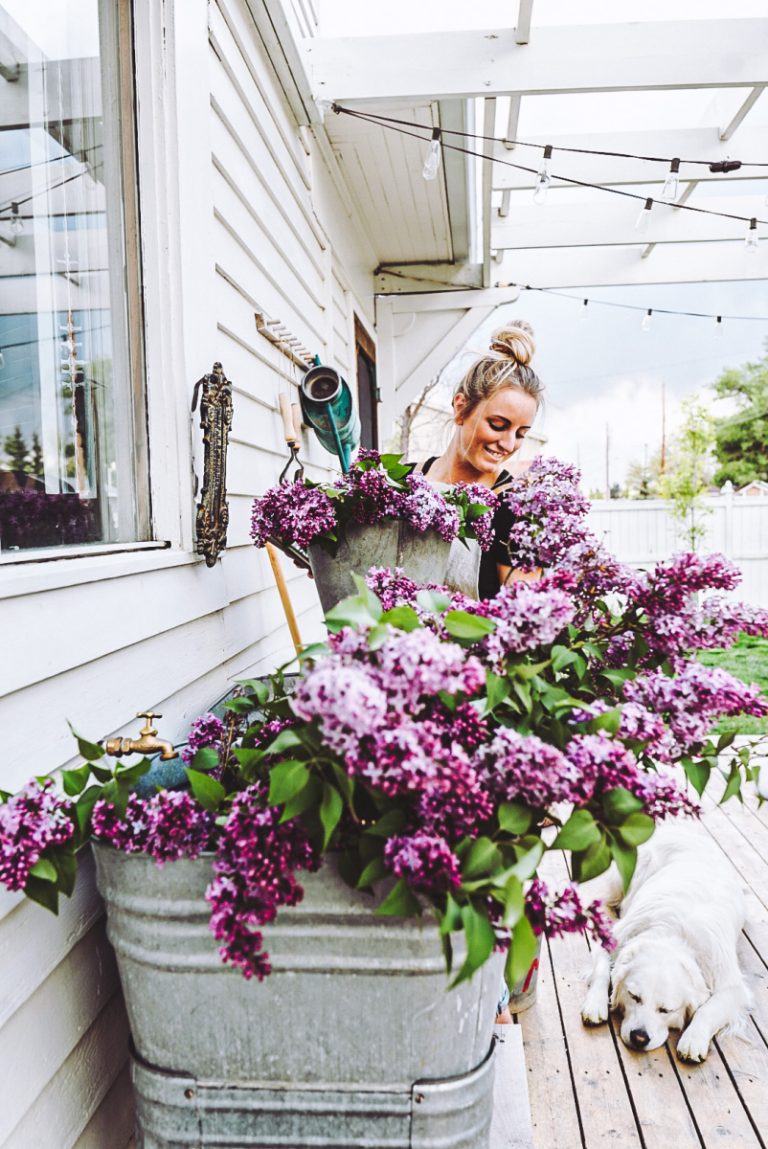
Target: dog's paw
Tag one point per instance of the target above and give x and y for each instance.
(594, 1011)
(692, 1047)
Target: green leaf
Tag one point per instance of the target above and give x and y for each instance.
(331, 809)
(377, 636)
(400, 902)
(734, 784)
(592, 861)
(285, 740)
(84, 806)
(523, 692)
(617, 677)
(433, 601)
(44, 893)
(480, 938)
(209, 793)
(131, 774)
(528, 861)
(91, 751)
(309, 796)
(619, 803)
(697, 773)
(514, 818)
(239, 705)
(610, 721)
(344, 782)
(496, 688)
(256, 687)
(724, 741)
(286, 779)
(388, 825)
(481, 858)
(101, 773)
(247, 755)
(45, 870)
(461, 624)
(522, 953)
(75, 781)
(625, 858)
(402, 617)
(578, 833)
(447, 944)
(451, 917)
(65, 862)
(636, 829)
(373, 872)
(513, 900)
(562, 656)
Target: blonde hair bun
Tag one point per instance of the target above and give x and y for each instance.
(515, 341)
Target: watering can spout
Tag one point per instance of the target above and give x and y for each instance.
(327, 407)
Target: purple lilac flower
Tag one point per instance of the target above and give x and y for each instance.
(254, 876)
(127, 833)
(482, 526)
(426, 862)
(292, 513)
(521, 768)
(605, 764)
(392, 587)
(411, 665)
(425, 508)
(556, 913)
(345, 700)
(30, 822)
(167, 826)
(207, 730)
(694, 699)
(527, 615)
(637, 722)
(455, 813)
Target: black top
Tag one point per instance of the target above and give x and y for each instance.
(488, 577)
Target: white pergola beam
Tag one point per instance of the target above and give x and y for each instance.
(584, 58)
(613, 266)
(746, 107)
(612, 221)
(523, 26)
(689, 143)
(688, 191)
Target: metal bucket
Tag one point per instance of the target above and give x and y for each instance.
(423, 557)
(354, 1023)
(523, 994)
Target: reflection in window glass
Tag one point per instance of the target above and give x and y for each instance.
(67, 408)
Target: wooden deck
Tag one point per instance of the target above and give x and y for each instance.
(587, 1090)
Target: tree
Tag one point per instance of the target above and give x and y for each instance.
(37, 456)
(740, 439)
(15, 447)
(643, 480)
(689, 470)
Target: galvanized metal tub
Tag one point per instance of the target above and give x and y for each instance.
(356, 1007)
(423, 557)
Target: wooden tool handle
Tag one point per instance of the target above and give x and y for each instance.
(282, 590)
(297, 420)
(285, 411)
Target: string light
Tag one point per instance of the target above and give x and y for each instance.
(646, 323)
(641, 223)
(718, 325)
(671, 183)
(17, 223)
(432, 162)
(2, 361)
(544, 179)
(584, 315)
(752, 239)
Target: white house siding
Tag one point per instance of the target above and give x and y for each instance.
(93, 640)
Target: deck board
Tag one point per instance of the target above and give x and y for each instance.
(588, 1090)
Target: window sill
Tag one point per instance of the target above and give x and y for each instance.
(33, 574)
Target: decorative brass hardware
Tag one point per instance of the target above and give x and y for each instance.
(216, 421)
(146, 743)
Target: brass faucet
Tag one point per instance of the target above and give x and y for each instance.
(146, 743)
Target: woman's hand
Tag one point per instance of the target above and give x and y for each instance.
(513, 574)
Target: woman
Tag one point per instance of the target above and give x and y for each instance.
(494, 408)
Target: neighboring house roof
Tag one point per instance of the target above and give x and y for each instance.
(756, 487)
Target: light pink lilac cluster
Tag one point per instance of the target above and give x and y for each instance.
(207, 730)
(30, 821)
(522, 768)
(556, 913)
(528, 615)
(548, 510)
(425, 861)
(167, 826)
(254, 868)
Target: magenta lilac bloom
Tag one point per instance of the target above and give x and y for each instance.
(207, 730)
(30, 822)
(167, 826)
(556, 913)
(522, 768)
(426, 862)
(291, 513)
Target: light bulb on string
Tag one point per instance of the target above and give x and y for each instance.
(646, 324)
(641, 223)
(432, 162)
(718, 325)
(584, 314)
(671, 183)
(543, 179)
(17, 223)
(752, 239)
(2, 361)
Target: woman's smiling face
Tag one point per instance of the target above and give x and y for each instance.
(495, 429)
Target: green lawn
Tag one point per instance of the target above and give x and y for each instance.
(747, 660)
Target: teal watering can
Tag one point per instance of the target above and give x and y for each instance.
(327, 407)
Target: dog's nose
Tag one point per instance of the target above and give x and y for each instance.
(639, 1038)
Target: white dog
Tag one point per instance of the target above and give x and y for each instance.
(675, 966)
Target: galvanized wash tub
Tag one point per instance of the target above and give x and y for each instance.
(353, 1040)
(423, 557)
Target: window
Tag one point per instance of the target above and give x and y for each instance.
(72, 449)
(367, 391)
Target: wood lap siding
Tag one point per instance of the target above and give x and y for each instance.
(173, 638)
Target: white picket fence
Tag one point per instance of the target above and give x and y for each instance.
(642, 532)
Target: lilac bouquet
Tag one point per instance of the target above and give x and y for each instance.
(422, 750)
(377, 488)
